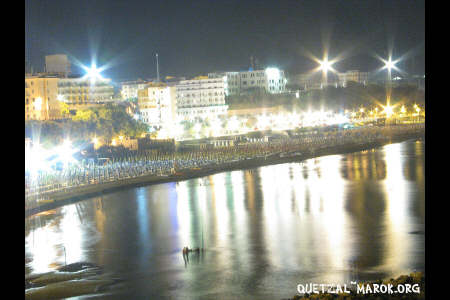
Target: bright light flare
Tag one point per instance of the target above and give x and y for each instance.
(38, 103)
(273, 73)
(389, 64)
(325, 65)
(216, 127)
(388, 110)
(233, 124)
(197, 127)
(93, 73)
(35, 159)
(263, 122)
(65, 152)
(178, 130)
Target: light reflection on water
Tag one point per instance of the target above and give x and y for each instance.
(329, 219)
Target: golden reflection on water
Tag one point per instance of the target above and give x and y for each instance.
(396, 190)
(183, 214)
(323, 216)
(57, 242)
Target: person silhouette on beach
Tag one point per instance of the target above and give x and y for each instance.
(186, 255)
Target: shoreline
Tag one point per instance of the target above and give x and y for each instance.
(85, 192)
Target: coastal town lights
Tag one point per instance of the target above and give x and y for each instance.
(403, 109)
(388, 110)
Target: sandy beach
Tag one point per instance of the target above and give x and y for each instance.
(77, 194)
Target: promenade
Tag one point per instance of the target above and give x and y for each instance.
(153, 167)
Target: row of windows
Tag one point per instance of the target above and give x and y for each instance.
(275, 88)
(32, 116)
(27, 100)
(200, 94)
(180, 89)
(198, 112)
(201, 82)
(181, 100)
(260, 74)
(253, 82)
(211, 101)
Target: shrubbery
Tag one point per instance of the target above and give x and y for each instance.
(106, 122)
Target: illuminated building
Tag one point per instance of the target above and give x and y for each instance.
(157, 105)
(200, 98)
(353, 76)
(313, 81)
(41, 103)
(129, 90)
(80, 92)
(270, 80)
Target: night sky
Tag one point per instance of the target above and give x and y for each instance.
(197, 37)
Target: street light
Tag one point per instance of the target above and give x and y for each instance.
(403, 109)
(388, 110)
(93, 73)
(389, 65)
(325, 66)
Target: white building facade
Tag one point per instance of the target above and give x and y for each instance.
(129, 90)
(271, 80)
(200, 98)
(157, 106)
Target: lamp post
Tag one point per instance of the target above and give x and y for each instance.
(389, 65)
(325, 66)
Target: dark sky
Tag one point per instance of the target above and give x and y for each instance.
(197, 37)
